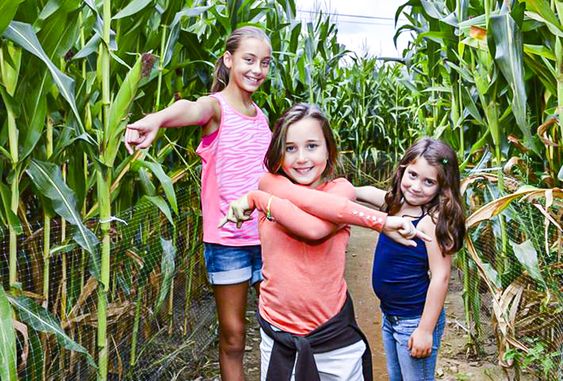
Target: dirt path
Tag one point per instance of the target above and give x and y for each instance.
(453, 364)
(452, 361)
(359, 261)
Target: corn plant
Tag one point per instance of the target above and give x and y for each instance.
(495, 61)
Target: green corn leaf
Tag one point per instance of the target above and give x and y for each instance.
(60, 31)
(42, 320)
(10, 102)
(492, 275)
(167, 267)
(528, 257)
(165, 181)
(7, 12)
(553, 28)
(90, 47)
(162, 205)
(9, 218)
(539, 50)
(175, 31)
(543, 8)
(435, 9)
(8, 359)
(132, 8)
(48, 179)
(51, 7)
(5, 152)
(295, 32)
(119, 110)
(543, 70)
(470, 105)
(508, 56)
(24, 35)
(33, 370)
(37, 106)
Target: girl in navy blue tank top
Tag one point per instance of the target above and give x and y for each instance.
(411, 282)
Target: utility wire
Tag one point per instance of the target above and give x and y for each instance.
(364, 23)
(349, 15)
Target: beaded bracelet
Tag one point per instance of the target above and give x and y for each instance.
(268, 212)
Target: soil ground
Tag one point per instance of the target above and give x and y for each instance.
(453, 363)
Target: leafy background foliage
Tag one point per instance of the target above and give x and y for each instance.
(102, 247)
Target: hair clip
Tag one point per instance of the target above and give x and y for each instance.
(444, 161)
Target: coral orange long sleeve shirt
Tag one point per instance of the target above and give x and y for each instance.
(303, 249)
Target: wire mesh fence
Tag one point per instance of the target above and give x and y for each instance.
(160, 313)
(513, 269)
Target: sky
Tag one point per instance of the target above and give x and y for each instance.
(362, 24)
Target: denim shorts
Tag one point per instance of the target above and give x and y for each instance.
(233, 264)
(401, 366)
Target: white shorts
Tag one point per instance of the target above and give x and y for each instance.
(343, 364)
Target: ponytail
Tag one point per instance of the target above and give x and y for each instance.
(220, 76)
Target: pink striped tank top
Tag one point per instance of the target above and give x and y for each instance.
(232, 163)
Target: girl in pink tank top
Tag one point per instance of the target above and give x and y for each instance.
(235, 138)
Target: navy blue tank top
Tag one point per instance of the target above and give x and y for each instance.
(400, 276)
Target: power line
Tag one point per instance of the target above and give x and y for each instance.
(349, 15)
(364, 23)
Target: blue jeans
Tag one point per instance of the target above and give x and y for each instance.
(233, 264)
(396, 332)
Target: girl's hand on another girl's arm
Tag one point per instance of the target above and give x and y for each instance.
(239, 211)
(401, 230)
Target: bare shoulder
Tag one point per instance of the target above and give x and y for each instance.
(211, 110)
(209, 104)
(427, 224)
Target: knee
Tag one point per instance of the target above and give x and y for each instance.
(232, 339)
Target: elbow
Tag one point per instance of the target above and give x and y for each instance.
(316, 234)
(440, 278)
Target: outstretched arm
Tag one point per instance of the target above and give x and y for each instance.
(420, 342)
(371, 195)
(294, 220)
(142, 133)
(336, 207)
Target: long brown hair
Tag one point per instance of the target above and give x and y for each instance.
(447, 205)
(276, 151)
(221, 72)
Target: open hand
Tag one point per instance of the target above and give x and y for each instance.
(239, 211)
(401, 230)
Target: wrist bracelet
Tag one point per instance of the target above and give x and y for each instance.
(268, 212)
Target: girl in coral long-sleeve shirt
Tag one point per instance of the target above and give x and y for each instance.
(304, 306)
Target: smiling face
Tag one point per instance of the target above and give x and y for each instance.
(419, 184)
(249, 64)
(306, 153)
